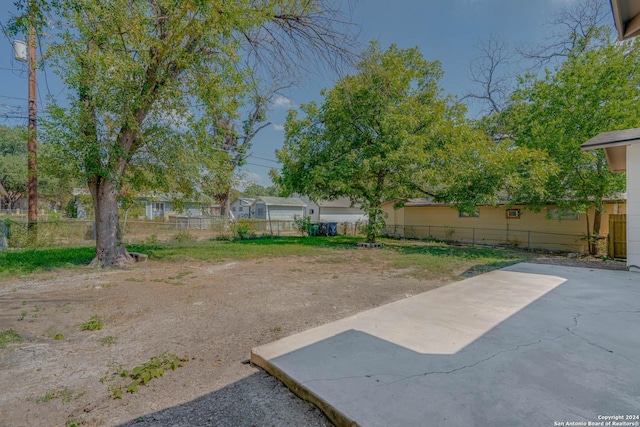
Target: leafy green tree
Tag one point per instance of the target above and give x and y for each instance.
(13, 171)
(594, 90)
(254, 190)
(149, 79)
(388, 133)
(13, 163)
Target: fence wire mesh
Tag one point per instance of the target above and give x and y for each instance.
(523, 239)
(81, 232)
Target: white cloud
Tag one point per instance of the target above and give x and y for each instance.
(278, 128)
(280, 101)
(249, 176)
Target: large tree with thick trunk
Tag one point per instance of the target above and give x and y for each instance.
(148, 80)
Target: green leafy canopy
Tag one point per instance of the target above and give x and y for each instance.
(387, 132)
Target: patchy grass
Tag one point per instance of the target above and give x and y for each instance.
(141, 375)
(9, 336)
(246, 249)
(17, 263)
(23, 262)
(424, 259)
(65, 394)
(109, 340)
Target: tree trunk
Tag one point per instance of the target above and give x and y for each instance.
(371, 235)
(223, 200)
(597, 220)
(372, 215)
(109, 249)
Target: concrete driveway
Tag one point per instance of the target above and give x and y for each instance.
(529, 345)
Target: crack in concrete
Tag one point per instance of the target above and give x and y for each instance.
(575, 325)
(460, 368)
(422, 374)
(516, 348)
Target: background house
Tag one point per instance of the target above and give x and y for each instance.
(551, 228)
(161, 206)
(241, 207)
(279, 208)
(339, 211)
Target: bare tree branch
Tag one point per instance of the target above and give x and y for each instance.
(490, 75)
(575, 29)
(316, 36)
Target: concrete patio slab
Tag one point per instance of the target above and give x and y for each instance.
(529, 345)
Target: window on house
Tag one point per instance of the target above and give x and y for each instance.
(158, 206)
(468, 215)
(513, 213)
(260, 211)
(240, 209)
(311, 211)
(233, 208)
(557, 213)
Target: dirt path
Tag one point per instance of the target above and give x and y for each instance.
(212, 313)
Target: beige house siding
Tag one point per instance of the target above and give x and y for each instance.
(533, 230)
(393, 216)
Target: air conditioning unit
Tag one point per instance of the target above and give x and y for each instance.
(513, 213)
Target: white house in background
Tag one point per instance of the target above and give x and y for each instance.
(279, 208)
(339, 210)
(161, 206)
(241, 208)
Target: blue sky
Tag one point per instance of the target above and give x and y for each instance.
(448, 31)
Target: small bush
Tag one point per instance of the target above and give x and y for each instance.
(302, 225)
(242, 228)
(93, 324)
(9, 336)
(183, 237)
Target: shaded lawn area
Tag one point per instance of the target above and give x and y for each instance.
(421, 259)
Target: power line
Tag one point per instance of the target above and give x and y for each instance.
(262, 158)
(14, 97)
(12, 69)
(262, 166)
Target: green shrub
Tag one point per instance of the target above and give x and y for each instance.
(93, 324)
(9, 336)
(302, 225)
(183, 236)
(242, 228)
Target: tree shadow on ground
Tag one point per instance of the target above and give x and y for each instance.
(257, 400)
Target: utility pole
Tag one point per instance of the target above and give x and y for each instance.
(32, 143)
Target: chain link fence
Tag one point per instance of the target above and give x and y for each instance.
(523, 239)
(81, 232)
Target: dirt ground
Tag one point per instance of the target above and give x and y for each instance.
(209, 314)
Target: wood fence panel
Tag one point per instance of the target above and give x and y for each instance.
(618, 236)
